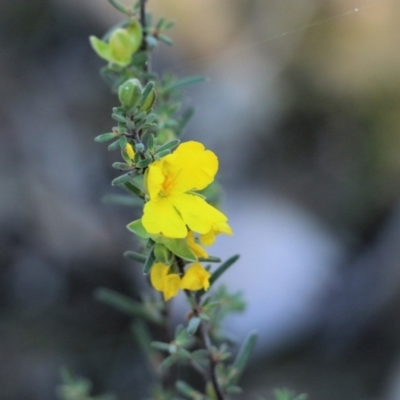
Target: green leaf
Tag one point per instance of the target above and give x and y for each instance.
(122, 200)
(165, 39)
(170, 146)
(138, 229)
(101, 48)
(130, 187)
(186, 117)
(168, 362)
(118, 6)
(161, 154)
(179, 84)
(148, 98)
(144, 163)
(160, 346)
(122, 179)
(188, 391)
(105, 137)
(285, 394)
(178, 247)
(113, 145)
(243, 356)
(210, 259)
(223, 267)
(132, 255)
(123, 141)
(193, 325)
(124, 303)
(121, 166)
(149, 262)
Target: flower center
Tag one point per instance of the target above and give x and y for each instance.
(168, 185)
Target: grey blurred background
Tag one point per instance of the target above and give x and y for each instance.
(302, 107)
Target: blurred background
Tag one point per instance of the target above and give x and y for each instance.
(302, 106)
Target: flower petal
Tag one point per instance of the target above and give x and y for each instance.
(169, 284)
(208, 238)
(192, 165)
(195, 247)
(196, 212)
(160, 217)
(154, 179)
(196, 278)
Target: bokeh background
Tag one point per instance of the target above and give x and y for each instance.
(302, 106)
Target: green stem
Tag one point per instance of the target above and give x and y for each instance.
(143, 22)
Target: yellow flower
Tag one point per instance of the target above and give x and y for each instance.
(172, 207)
(195, 247)
(164, 282)
(129, 150)
(196, 278)
(208, 238)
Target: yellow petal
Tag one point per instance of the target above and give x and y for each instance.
(160, 217)
(197, 214)
(129, 150)
(195, 247)
(193, 166)
(208, 238)
(196, 278)
(155, 179)
(169, 284)
(172, 285)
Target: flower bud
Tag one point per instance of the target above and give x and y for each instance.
(149, 101)
(129, 93)
(162, 254)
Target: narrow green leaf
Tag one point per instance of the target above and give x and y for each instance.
(122, 179)
(160, 346)
(105, 137)
(210, 259)
(179, 247)
(165, 39)
(122, 200)
(123, 141)
(138, 229)
(188, 391)
(130, 187)
(168, 362)
(243, 356)
(149, 262)
(223, 267)
(118, 6)
(122, 166)
(161, 154)
(143, 337)
(124, 303)
(186, 117)
(144, 163)
(168, 25)
(132, 255)
(193, 325)
(113, 145)
(147, 89)
(179, 84)
(118, 117)
(171, 145)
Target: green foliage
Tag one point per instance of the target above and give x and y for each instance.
(73, 388)
(285, 394)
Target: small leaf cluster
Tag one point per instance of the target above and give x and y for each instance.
(73, 388)
(285, 394)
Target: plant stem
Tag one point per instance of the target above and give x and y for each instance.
(204, 336)
(143, 22)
